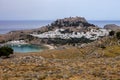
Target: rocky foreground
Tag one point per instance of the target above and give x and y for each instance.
(39, 68)
(67, 64)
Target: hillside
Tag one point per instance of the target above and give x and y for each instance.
(98, 60)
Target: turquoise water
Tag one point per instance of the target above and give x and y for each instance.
(26, 48)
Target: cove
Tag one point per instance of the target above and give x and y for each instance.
(26, 48)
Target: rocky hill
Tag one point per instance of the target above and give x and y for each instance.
(113, 27)
(72, 22)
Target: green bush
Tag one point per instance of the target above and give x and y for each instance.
(111, 33)
(6, 51)
(118, 35)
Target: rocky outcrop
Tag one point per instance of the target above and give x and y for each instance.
(113, 27)
(71, 22)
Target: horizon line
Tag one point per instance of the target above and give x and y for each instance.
(56, 19)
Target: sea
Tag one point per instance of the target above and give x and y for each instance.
(27, 48)
(7, 26)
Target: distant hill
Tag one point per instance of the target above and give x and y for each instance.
(113, 27)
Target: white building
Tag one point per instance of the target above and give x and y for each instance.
(92, 34)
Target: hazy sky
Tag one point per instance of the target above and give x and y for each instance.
(53, 9)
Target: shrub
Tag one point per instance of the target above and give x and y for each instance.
(3, 41)
(118, 35)
(6, 51)
(102, 46)
(111, 33)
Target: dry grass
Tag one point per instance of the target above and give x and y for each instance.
(88, 63)
(61, 69)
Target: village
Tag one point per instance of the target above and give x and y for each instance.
(92, 34)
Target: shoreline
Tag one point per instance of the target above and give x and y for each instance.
(49, 46)
(22, 42)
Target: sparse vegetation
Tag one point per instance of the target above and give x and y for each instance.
(67, 64)
(71, 41)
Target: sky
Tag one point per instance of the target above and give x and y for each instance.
(55, 9)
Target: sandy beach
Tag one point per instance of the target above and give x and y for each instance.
(49, 46)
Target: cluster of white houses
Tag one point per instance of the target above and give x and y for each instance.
(16, 42)
(92, 34)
